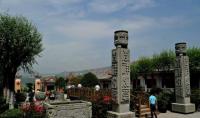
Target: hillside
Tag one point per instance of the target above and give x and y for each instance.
(99, 72)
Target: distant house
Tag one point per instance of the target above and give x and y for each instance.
(163, 79)
(104, 78)
(159, 79)
(48, 83)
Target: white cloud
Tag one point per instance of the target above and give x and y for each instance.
(141, 4)
(109, 6)
(76, 37)
(84, 29)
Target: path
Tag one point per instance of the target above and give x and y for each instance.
(178, 115)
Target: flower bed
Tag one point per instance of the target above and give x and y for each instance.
(33, 110)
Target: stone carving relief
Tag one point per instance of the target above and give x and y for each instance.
(186, 75)
(182, 77)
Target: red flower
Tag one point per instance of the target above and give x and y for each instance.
(39, 108)
(106, 99)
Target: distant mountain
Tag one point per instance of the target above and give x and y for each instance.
(99, 72)
(96, 71)
(29, 78)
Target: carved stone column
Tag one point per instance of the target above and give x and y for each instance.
(182, 81)
(120, 83)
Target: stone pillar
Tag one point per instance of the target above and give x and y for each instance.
(38, 85)
(182, 81)
(159, 82)
(120, 83)
(17, 85)
(142, 82)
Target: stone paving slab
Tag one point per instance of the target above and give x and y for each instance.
(178, 115)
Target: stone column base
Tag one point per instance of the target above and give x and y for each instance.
(183, 108)
(112, 114)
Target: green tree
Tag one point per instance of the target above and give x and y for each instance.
(75, 80)
(144, 66)
(134, 73)
(89, 80)
(134, 70)
(29, 86)
(164, 61)
(194, 59)
(194, 63)
(60, 82)
(20, 43)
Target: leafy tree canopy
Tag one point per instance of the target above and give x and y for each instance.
(20, 42)
(60, 82)
(164, 62)
(89, 80)
(194, 58)
(144, 65)
(75, 80)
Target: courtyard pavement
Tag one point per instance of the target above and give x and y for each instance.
(170, 114)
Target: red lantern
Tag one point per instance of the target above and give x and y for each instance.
(18, 82)
(38, 83)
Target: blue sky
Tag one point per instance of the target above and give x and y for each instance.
(78, 34)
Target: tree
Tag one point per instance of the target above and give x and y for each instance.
(134, 70)
(194, 59)
(164, 61)
(144, 66)
(29, 86)
(194, 63)
(75, 80)
(20, 43)
(89, 80)
(134, 73)
(60, 82)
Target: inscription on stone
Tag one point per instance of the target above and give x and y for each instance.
(114, 75)
(182, 81)
(120, 83)
(182, 75)
(178, 77)
(186, 76)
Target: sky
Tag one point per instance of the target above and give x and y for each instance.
(79, 34)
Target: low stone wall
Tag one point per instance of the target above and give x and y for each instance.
(68, 109)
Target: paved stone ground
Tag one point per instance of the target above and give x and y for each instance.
(178, 115)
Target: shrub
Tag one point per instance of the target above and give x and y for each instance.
(13, 113)
(101, 106)
(155, 90)
(3, 105)
(195, 98)
(33, 110)
(20, 97)
(163, 100)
